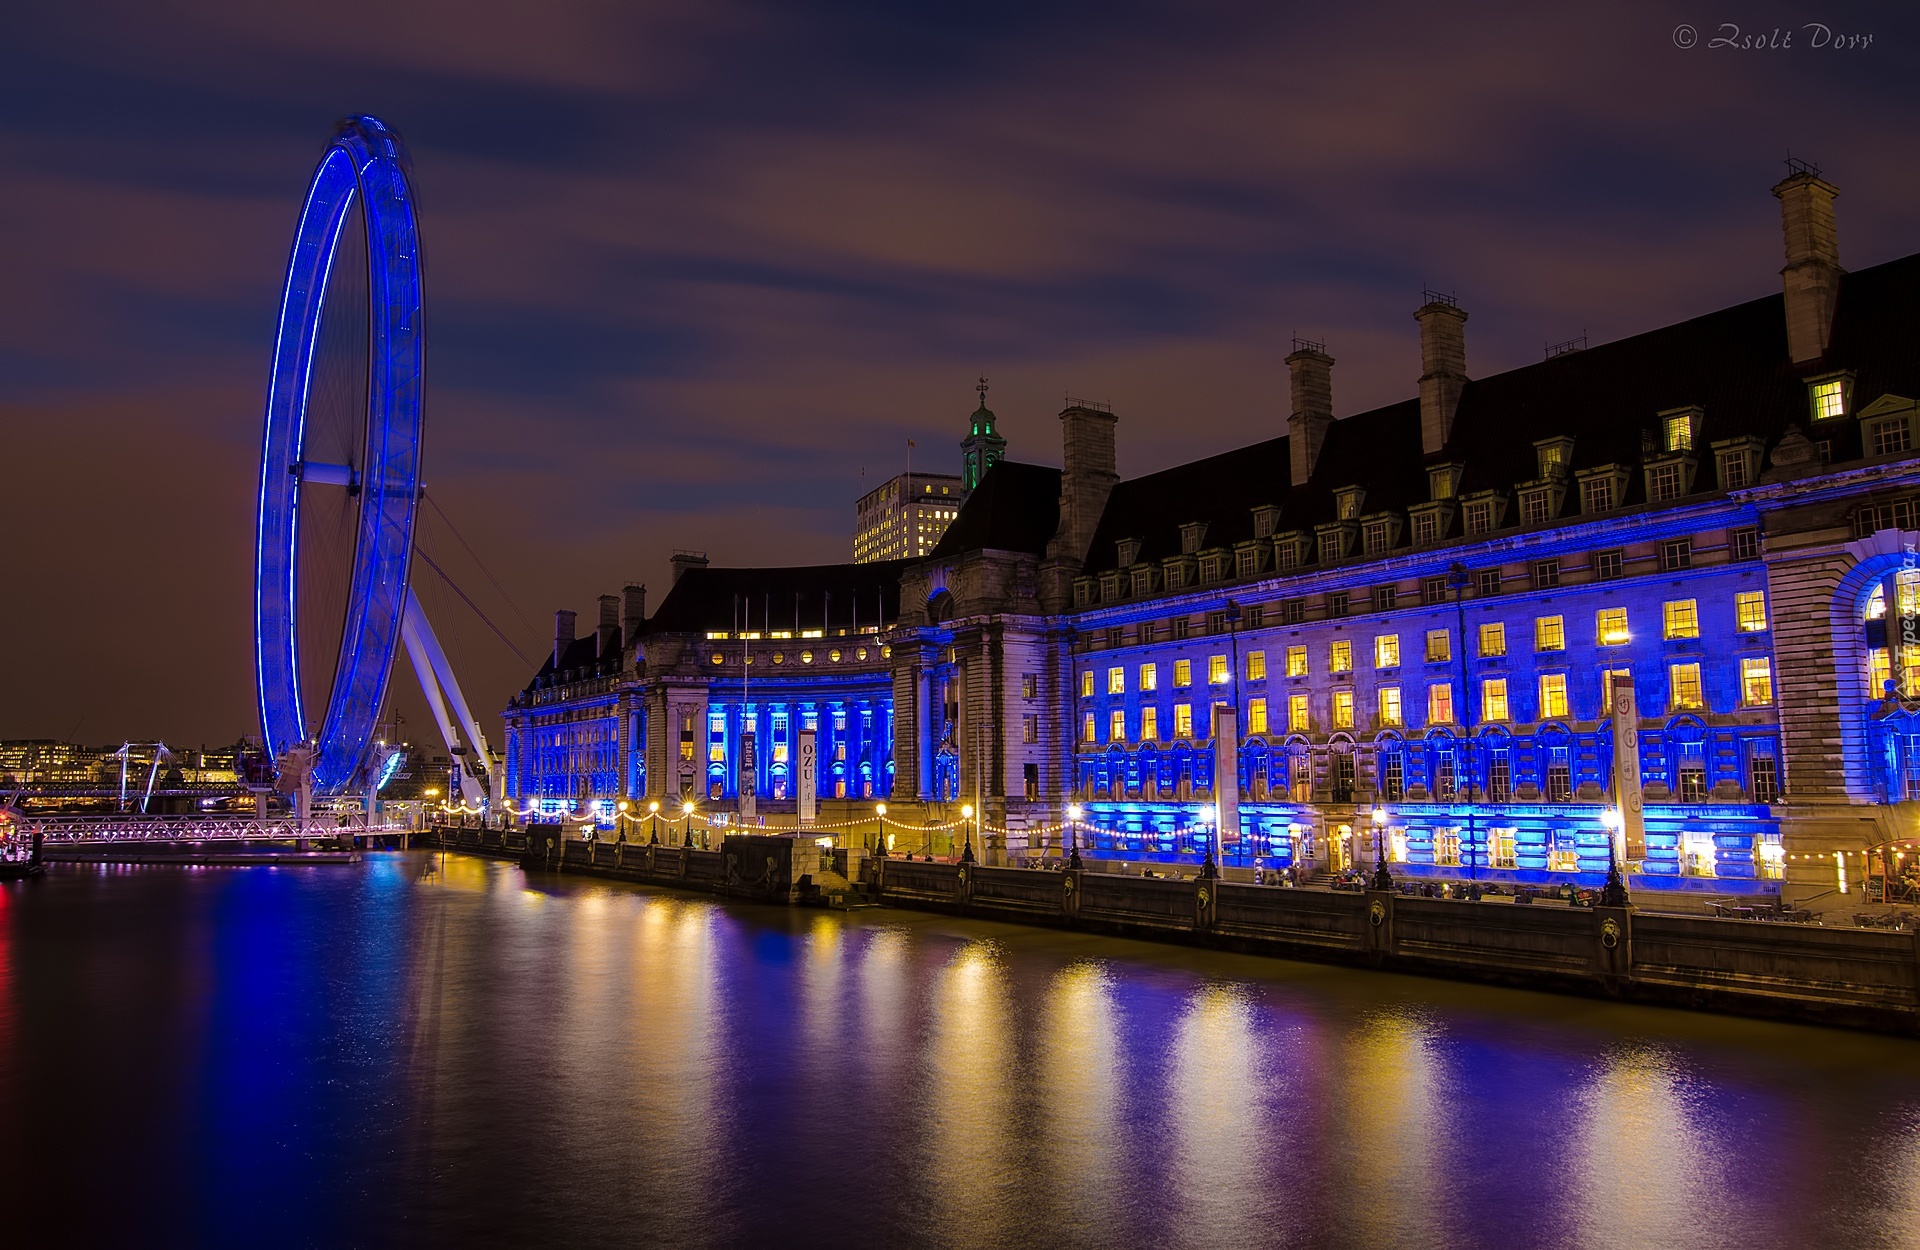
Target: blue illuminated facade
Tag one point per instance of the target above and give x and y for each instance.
(1415, 614)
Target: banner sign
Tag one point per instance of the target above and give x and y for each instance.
(1226, 773)
(809, 775)
(1626, 766)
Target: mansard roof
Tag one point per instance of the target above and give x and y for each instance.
(1733, 364)
(1016, 507)
(816, 596)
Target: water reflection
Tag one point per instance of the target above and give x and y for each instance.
(451, 1051)
(1215, 1096)
(972, 1138)
(1082, 1070)
(1650, 1168)
(1396, 1121)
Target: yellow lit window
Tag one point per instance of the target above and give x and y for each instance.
(1610, 627)
(1439, 646)
(1183, 720)
(1549, 633)
(1553, 696)
(1256, 665)
(1829, 400)
(1685, 680)
(1149, 724)
(1340, 657)
(1116, 681)
(1879, 672)
(1086, 681)
(1389, 705)
(1440, 703)
(1680, 618)
(1183, 672)
(1680, 433)
(1256, 716)
(1386, 651)
(1343, 709)
(1088, 729)
(1751, 609)
(1606, 687)
(1296, 661)
(1297, 721)
(1216, 670)
(1493, 638)
(1117, 725)
(1493, 699)
(1756, 681)
(716, 754)
(1149, 677)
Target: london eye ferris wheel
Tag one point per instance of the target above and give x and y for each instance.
(340, 480)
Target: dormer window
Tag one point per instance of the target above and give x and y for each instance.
(1378, 534)
(1129, 551)
(1191, 536)
(1289, 550)
(1736, 462)
(1828, 395)
(1212, 567)
(1669, 479)
(1886, 426)
(1555, 456)
(1482, 513)
(1334, 541)
(1539, 505)
(1346, 502)
(1430, 521)
(1602, 489)
(1266, 519)
(1679, 427)
(1247, 559)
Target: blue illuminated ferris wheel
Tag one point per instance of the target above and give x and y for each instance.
(340, 474)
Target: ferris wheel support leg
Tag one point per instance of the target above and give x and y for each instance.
(436, 676)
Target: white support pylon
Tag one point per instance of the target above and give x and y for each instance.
(436, 676)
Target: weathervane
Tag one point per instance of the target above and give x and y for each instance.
(982, 388)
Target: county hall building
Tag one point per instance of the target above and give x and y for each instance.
(1413, 611)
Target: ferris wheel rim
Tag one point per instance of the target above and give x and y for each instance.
(364, 165)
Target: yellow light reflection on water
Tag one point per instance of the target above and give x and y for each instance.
(1647, 1170)
(1395, 1122)
(1080, 1065)
(974, 1143)
(1214, 1100)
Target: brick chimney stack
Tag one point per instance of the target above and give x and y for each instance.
(609, 625)
(1087, 478)
(1812, 276)
(1443, 368)
(562, 634)
(684, 560)
(634, 614)
(1312, 371)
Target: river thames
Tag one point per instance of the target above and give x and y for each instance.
(435, 1049)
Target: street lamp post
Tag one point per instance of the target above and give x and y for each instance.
(686, 809)
(653, 810)
(1614, 893)
(1458, 581)
(880, 830)
(1074, 813)
(966, 816)
(1382, 879)
(1210, 815)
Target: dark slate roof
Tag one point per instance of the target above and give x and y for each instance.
(582, 655)
(818, 596)
(1016, 507)
(1732, 363)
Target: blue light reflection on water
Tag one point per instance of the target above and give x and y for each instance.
(426, 1049)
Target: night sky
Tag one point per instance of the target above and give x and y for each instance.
(695, 269)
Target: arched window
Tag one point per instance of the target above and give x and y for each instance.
(1445, 765)
(1390, 766)
(1686, 743)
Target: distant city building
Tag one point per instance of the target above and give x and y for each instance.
(904, 517)
(1415, 617)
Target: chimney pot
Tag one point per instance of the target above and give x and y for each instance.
(562, 634)
(609, 633)
(1443, 368)
(1811, 278)
(1312, 376)
(684, 560)
(634, 613)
